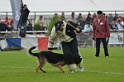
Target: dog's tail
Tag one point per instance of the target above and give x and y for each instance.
(30, 51)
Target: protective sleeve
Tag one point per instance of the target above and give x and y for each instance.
(52, 38)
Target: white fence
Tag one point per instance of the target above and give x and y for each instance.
(84, 39)
(116, 39)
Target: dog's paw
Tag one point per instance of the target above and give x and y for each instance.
(64, 72)
(36, 70)
(44, 71)
(81, 69)
(72, 71)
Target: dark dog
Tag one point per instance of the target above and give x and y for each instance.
(55, 59)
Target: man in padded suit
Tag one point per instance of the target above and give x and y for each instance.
(65, 31)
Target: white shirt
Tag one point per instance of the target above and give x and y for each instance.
(88, 27)
(120, 25)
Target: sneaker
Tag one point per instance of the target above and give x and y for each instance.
(72, 71)
(72, 68)
(81, 69)
(106, 56)
(96, 56)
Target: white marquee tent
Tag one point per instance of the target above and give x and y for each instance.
(68, 5)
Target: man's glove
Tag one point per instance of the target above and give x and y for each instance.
(78, 29)
(94, 39)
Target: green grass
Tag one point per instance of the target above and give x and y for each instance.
(17, 66)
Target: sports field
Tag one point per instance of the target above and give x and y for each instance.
(17, 66)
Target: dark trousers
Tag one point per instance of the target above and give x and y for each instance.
(23, 29)
(98, 41)
(0, 48)
(72, 47)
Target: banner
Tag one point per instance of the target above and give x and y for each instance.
(116, 38)
(16, 6)
(27, 43)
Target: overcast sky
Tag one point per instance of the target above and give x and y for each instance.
(67, 5)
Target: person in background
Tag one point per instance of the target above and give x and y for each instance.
(6, 21)
(11, 24)
(3, 27)
(62, 16)
(110, 18)
(114, 26)
(72, 18)
(41, 22)
(23, 20)
(66, 34)
(29, 27)
(120, 24)
(94, 16)
(83, 22)
(79, 18)
(101, 33)
(89, 18)
(87, 32)
(115, 17)
(103, 15)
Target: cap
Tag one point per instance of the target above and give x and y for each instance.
(99, 12)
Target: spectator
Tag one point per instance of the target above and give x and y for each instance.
(83, 22)
(11, 24)
(103, 15)
(94, 16)
(114, 25)
(120, 24)
(23, 20)
(87, 32)
(115, 17)
(79, 18)
(88, 27)
(89, 18)
(6, 21)
(72, 18)
(3, 27)
(41, 22)
(110, 18)
(62, 16)
(55, 16)
(29, 27)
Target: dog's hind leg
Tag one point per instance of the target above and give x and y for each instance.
(42, 62)
(41, 68)
(60, 67)
(38, 68)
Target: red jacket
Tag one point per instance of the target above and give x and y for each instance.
(101, 29)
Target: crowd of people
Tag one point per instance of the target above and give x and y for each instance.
(115, 22)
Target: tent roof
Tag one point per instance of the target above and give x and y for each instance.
(68, 5)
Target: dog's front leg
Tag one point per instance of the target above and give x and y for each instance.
(60, 67)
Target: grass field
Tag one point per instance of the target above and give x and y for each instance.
(17, 66)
